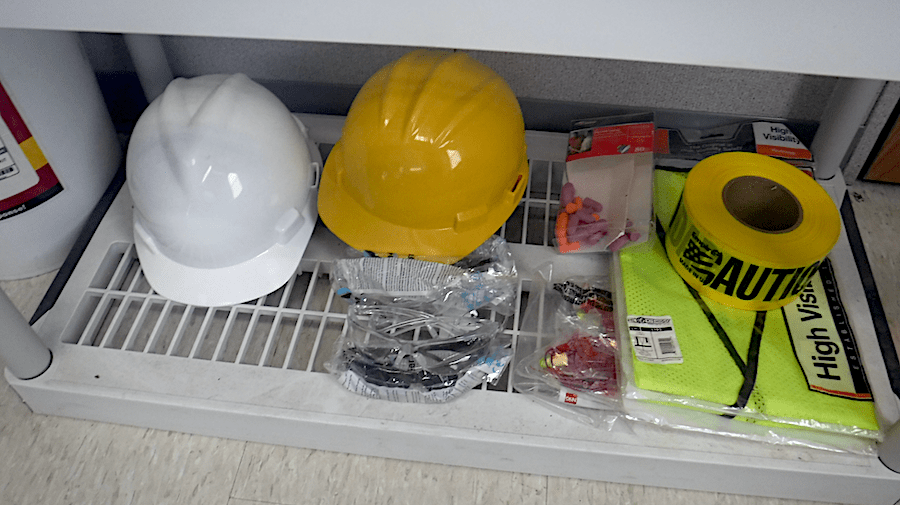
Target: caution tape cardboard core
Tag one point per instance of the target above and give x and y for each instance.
(750, 230)
(762, 204)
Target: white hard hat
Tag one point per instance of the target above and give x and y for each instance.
(224, 191)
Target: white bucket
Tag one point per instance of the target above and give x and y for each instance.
(59, 148)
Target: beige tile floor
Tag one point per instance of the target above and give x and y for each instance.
(53, 460)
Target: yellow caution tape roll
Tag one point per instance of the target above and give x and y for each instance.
(750, 230)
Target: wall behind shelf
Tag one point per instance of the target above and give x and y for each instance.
(610, 84)
(319, 77)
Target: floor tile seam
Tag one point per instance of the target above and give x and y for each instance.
(237, 472)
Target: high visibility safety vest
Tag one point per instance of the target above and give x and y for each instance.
(796, 365)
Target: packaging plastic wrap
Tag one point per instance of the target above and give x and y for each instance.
(566, 350)
(485, 279)
(605, 203)
(684, 147)
(406, 355)
(691, 363)
(423, 332)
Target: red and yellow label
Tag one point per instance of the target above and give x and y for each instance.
(48, 184)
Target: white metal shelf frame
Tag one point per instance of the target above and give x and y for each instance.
(123, 354)
(851, 40)
(831, 37)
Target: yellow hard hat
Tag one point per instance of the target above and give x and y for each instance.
(431, 161)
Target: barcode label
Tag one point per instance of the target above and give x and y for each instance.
(653, 339)
(7, 165)
(666, 346)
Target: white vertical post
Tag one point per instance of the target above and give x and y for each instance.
(20, 347)
(847, 110)
(889, 448)
(150, 63)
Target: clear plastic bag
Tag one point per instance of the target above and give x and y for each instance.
(485, 279)
(605, 203)
(567, 350)
(690, 363)
(406, 355)
(424, 332)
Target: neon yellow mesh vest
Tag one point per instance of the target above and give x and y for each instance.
(709, 372)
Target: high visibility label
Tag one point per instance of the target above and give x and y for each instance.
(26, 178)
(704, 265)
(777, 140)
(823, 341)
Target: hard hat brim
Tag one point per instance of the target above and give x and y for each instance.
(231, 285)
(362, 230)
